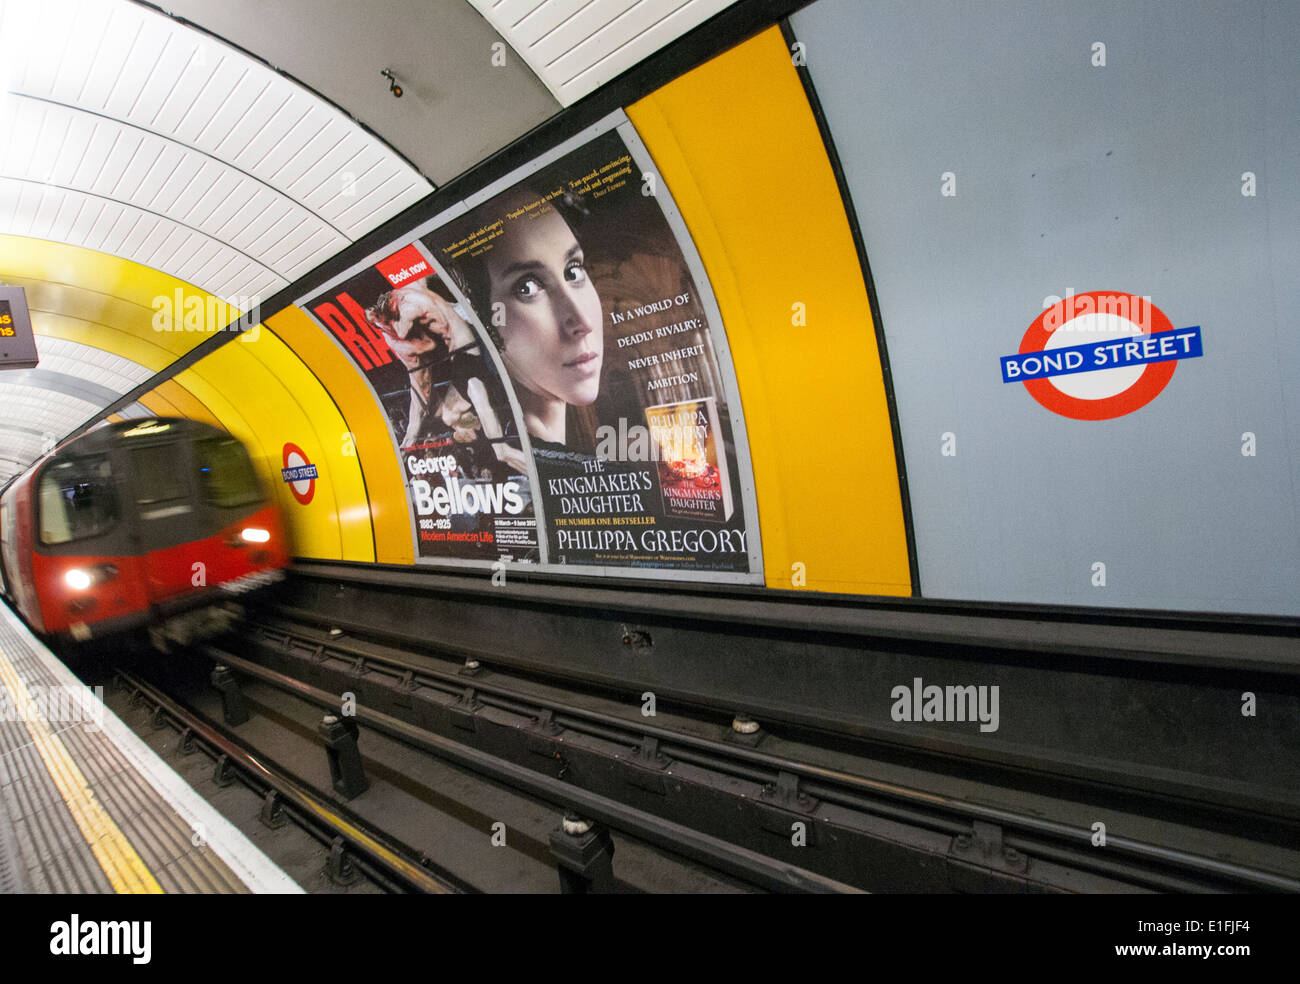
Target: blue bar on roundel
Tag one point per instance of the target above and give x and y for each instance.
(1165, 346)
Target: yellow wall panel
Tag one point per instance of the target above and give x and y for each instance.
(185, 402)
(338, 463)
(137, 348)
(256, 407)
(737, 144)
(106, 290)
(159, 406)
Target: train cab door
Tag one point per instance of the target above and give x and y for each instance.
(164, 497)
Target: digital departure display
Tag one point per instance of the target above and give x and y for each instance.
(17, 344)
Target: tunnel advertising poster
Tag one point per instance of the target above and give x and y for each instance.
(467, 477)
(577, 278)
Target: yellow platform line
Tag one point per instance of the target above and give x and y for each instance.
(125, 870)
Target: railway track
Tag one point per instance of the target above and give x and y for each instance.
(355, 850)
(462, 743)
(855, 813)
(422, 823)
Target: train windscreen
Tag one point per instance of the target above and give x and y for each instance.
(159, 475)
(226, 475)
(77, 499)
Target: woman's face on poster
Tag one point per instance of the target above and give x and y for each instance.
(553, 339)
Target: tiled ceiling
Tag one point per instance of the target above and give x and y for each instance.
(576, 46)
(130, 133)
(133, 134)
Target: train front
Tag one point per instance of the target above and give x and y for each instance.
(183, 526)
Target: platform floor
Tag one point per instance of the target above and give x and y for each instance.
(87, 807)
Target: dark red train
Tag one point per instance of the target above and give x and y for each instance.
(142, 524)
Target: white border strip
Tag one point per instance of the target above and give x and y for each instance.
(244, 858)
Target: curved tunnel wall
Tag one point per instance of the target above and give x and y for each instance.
(1011, 501)
(732, 141)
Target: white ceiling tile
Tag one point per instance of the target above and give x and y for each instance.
(111, 54)
(47, 211)
(250, 216)
(574, 47)
(24, 135)
(83, 45)
(528, 22)
(269, 241)
(128, 88)
(28, 201)
(285, 163)
(216, 264)
(300, 260)
(185, 177)
(253, 103)
(250, 239)
(289, 240)
(196, 258)
(76, 143)
(237, 194)
(272, 134)
(130, 183)
(227, 74)
(164, 83)
(122, 153)
(100, 233)
(54, 132)
(61, 224)
(141, 229)
(44, 31)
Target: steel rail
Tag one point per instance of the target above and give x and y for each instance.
(715, 852)
(375, 847)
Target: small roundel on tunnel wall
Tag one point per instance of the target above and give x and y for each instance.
(1099, 355)
(299, 473)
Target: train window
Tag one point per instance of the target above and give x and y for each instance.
(225, 473)
(158, 475)
(77, 499)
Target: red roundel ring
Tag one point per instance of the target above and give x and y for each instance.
(1155, 376)
(292, 451)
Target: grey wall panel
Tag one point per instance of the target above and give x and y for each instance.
(1126, 177)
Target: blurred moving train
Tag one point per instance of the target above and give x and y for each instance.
(142, 525)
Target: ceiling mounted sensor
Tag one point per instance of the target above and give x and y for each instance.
(393, 85)
(575, 48)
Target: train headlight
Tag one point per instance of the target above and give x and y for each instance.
(78, 580)
(255, 535)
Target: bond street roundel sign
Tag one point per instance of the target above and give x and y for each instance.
(1099, 355)
(299, 473)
